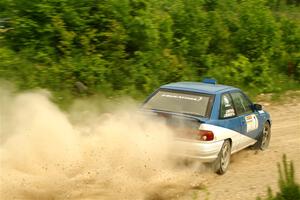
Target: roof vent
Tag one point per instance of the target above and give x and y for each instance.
(209, 80)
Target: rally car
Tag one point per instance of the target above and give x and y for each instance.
(210, 121)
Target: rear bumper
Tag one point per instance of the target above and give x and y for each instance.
(202, 151)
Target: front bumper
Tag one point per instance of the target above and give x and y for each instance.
(202, 151)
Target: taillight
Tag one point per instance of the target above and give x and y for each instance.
(205, 135)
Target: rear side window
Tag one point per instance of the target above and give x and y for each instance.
(241, 103)
(227, 109)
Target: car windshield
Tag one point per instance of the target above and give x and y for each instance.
(180, 102)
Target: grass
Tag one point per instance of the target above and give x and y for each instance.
(289, 189)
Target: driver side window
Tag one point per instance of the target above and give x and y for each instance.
(227, 109)
(242, 105)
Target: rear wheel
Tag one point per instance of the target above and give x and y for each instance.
(222, 162)
(264, 138)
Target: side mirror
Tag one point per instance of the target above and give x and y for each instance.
(257, 107)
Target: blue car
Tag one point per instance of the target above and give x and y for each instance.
(210, 121)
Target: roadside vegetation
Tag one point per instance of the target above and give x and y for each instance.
(79, 48)
(288, 188)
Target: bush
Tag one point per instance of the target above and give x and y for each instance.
(288, 188)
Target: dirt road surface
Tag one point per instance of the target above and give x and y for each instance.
(252, 172)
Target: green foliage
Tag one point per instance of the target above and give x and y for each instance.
(118, 47)
(288, 188)
(242, 71)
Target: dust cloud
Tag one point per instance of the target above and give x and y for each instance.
(46, 153)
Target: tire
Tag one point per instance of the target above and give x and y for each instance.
(264, 138)
(221, 164)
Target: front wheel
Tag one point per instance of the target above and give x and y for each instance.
(264, 138)
(222, 162)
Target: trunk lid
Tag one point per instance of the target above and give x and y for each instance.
(183, 125)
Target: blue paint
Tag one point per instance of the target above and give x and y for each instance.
(210, 81)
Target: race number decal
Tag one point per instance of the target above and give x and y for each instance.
(252, 122)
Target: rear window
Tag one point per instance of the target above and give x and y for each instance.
(181, 102)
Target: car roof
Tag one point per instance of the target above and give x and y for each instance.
(199, 87)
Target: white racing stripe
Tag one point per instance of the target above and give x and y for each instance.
(239, 141)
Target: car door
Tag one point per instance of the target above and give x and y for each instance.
(229, 119)
(248, 119)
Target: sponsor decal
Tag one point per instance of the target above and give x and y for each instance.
(182, 97)
(251, 122)
(229, 113)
